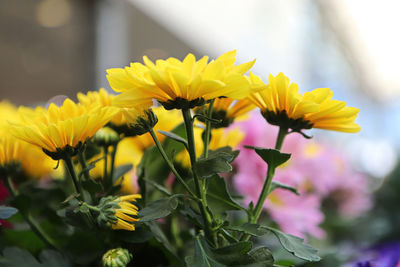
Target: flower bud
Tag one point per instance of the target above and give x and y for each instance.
(106, 137)
(138, 122)
(118, 212)
(116, 257)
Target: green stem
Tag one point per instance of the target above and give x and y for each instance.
(175, 231)
(113, 154)
(255, 214)
(71, 169)
(264, 193)
(169, 162)
(30, 220)
(107, 181)
(208, 129)
(82, 161)
(200, 190)
(96, 209)
(281, 136)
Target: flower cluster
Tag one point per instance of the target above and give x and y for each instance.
(186, 118)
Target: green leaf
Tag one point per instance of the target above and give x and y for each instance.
(92, 186)
(249, 228)
(24, 239)
(295, 245)
(13, 256)
(7, 212)
(159, 208)
(237, 254)
(53, 258)
(272, 157)
(276, 185)
(202, 255)
(91, 165)
(121, 171)
(71, 199)
(190, 214)
(262, 257)
(217, 162)
(233, 254)
(158, 186)
(225, 149)
(174, 137)
(160, 237)
(140, 235)
(291, 243)
(218, 198)
(210, 166)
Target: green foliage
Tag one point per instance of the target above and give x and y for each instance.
(24, 239)
(91, 165)
(160, 237)
(158, 187)
(159, 208)
(291, 243)
(276, 185)
(218, 161)
(140, 235)
(121, 171)
(7, 212)
(295, 245)
(272, 157)
(218, 198)
(13, 256)
(238, 254)
(174, 137)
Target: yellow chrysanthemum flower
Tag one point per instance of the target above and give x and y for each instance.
(226, 110)
(126, 120)
(219, 138)
(60, 130)
(15, 153)
(281, 104)
(179, 84)
(126, 213)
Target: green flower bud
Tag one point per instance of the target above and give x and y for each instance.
(116, 257)
(106, 137)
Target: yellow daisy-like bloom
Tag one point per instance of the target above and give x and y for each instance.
(126, 213)
(127, 120)
(226, 110)
(219, 138)
(179, 84)
(102, 98)
(14, 152)
(281, 104)
(60, 130)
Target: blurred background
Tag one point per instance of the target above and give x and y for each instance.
(60, 47)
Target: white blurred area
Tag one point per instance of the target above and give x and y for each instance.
(351, 46)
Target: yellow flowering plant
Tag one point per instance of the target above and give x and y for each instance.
(146, 169)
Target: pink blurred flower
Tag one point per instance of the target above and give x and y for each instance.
(316, 170)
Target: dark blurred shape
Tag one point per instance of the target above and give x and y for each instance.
(46, 49)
